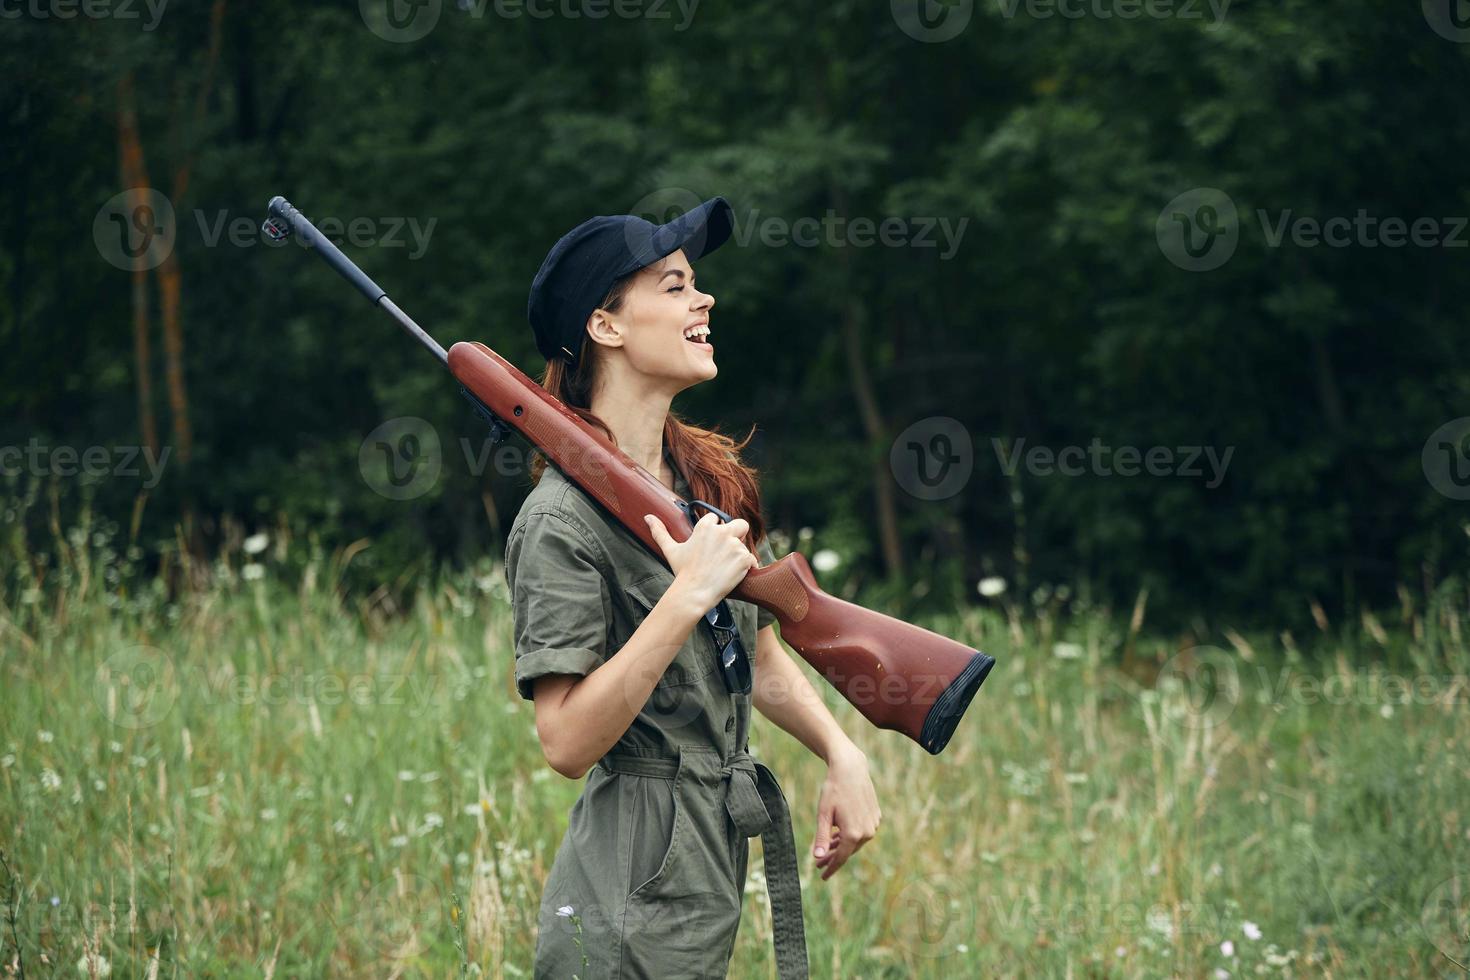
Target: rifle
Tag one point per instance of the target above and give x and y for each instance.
(901, 677)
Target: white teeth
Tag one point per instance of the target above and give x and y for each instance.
(700, 332)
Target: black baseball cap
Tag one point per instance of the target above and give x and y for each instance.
(580, 268)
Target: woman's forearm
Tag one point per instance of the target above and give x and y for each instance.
(599, 708)
(782, 693)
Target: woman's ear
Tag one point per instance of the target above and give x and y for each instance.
(603, 330)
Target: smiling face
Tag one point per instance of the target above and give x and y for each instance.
(653, 325)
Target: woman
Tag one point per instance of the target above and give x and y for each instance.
(611, 647)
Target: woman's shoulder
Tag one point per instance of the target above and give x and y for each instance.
(557, 503)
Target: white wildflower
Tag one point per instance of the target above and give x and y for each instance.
(1066, 651)
(826, 560)
(398, 840)
(50, 780)
(565, 911)
(1161, 922)
(1386, 711)
(45, 736)
(805, 534)
(1076, 778)
(94, 965)
(433, 820)
(1220, 974)
(114, 747)
(1227, 948)
(991, 586)
(253, 572)
(256, 543)
(1251, 930)
(98, 785)
(268, 813)
(961, 948)
(6, 761)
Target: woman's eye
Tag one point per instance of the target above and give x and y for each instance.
(676, 289)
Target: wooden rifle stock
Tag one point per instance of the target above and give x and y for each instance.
(901, 677)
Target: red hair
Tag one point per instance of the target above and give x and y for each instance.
(709, 460)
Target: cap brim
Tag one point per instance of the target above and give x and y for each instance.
(698, 231)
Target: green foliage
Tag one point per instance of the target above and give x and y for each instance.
(1057, 320)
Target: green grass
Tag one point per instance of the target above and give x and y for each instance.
(257, 779)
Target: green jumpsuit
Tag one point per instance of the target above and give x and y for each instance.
(650, 874)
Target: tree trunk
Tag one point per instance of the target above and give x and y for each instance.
(135, 182)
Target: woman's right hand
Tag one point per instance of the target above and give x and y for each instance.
(711, 561)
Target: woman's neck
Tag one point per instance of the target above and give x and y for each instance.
(636, 419)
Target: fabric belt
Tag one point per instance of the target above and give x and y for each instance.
(758, 808)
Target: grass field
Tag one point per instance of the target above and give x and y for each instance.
(258, 780)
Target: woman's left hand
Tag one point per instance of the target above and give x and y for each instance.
(847, 811)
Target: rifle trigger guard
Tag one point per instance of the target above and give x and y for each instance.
(688, 509)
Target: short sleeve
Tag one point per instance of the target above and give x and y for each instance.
(560, 603)
(763, 616)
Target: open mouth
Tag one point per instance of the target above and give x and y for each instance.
(699, 337)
